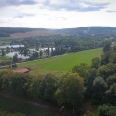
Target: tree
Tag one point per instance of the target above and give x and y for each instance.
(41, 53)
(95, 62)
(48, 86)
(3, 52)
(111, 79)
(7, 50)
(25, 52)
(107, 70)
(106, 110)
(33, 90)
(110, 95)
(15, 58)
(92, 74)
(48, 51)
(105, 58)
(107, 46)
(81, 69)
(70, 90)
(99, 87)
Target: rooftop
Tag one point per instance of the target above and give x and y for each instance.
(22, 70)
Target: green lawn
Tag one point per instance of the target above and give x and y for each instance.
(62, 63)
(4, 58)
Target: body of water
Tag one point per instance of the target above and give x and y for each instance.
(11, 54)
(12, 46)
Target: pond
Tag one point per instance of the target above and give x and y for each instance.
(10, 46)
(11, 54)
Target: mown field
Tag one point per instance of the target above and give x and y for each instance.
(62, 63)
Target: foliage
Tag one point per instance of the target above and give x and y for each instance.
(47, 87)
(3, 52)
(15, 58)
(82, 70)
(6, 113)
(95, 62)
(92, 74)
(110, 95)
(99, 87)
(70, 90)
(106, 110)
(107, 70)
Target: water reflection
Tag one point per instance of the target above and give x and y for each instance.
(11, 54)
(12, 46)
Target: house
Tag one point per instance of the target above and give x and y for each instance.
(19, 59)
(22, 70)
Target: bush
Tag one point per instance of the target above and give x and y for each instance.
(106, 110)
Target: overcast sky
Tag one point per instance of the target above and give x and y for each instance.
(57, 13)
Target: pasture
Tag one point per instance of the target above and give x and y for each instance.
(62, 63)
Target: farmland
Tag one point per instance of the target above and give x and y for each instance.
(62, 63)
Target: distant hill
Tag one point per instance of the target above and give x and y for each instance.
(32, 32)
(89, 30)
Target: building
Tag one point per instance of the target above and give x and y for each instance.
(22, 70)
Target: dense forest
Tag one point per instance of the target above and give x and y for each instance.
(6, 31)
(95, 83)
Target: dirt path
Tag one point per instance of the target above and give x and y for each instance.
(56, 109)
(89, 109)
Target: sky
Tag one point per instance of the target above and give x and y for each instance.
(57, 13)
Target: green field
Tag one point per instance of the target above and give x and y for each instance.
(5, 38)
(62, 63)
(4, 58)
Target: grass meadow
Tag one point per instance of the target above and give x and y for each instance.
(62, 63)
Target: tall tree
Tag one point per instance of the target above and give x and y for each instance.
(71, 88)
(99, 87)
(95, 62)
(3, 52)
(15, 58)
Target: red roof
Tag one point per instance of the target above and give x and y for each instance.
(22, 70)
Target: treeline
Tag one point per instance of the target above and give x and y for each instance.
(88, 30)
(72, 43)
(66, 90)
(100, 80)
(6, 31)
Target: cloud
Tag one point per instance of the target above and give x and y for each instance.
(22, 15)
(111, 11)
(68, 5)
(75, 5)
(5, 3)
